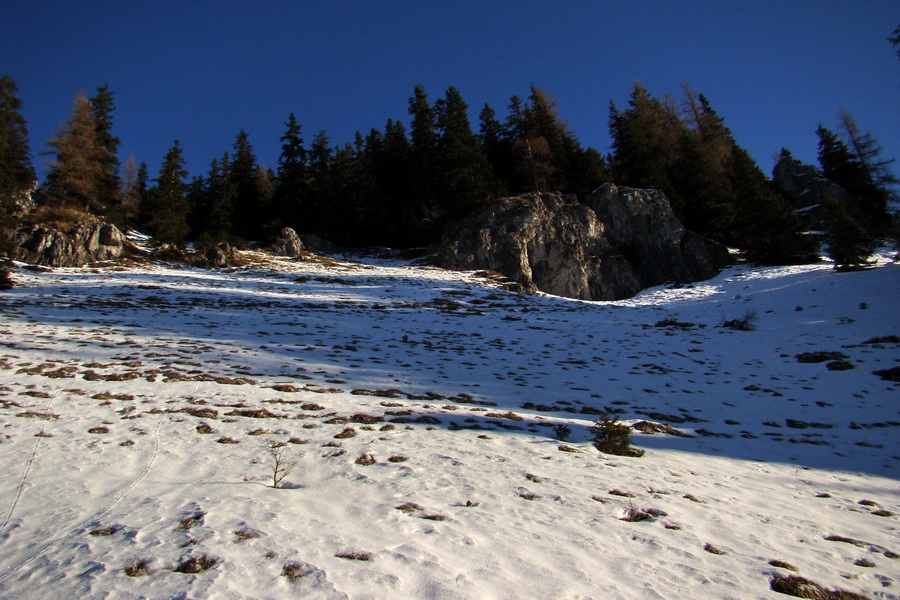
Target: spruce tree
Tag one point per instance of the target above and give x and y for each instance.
(168, 206)
(419, 218)
(846, 242)
(249, 207)
(463, 171)
(108, 196)
(320, 193)
(497, 147)
(16, 171)
(17, 176)
(218, 203)
(647, 139)
(292, 180)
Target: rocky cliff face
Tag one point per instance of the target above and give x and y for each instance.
(809, 192)
(74, 246)
(618, 242)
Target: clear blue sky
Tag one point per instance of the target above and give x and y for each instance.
(201, 71)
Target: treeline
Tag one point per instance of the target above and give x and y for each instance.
(399, 186)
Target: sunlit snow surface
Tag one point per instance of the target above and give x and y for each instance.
(470, 381)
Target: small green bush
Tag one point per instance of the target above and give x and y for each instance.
(613, 437)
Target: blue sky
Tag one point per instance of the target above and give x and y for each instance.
(201, 71)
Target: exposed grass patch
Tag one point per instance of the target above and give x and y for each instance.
(242, 535)
(363, 556)
(188, 522)
(30, 414)
(783, 565)
(138, 567)
(294, 571)
(800, 587)
(197, 564)
(366, 460)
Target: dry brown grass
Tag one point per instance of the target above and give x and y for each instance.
(138, 567)
(196, 564)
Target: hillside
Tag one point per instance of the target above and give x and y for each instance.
(138, 403)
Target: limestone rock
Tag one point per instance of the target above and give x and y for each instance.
(618, 242)
(220, 256)
(288, 243)
(809, 192)
(76, 245)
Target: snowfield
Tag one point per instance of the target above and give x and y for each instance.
(140, 404)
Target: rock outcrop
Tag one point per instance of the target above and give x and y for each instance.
(809, 193)
(220, 256)
(618, 242)
(288, 243)
(74, 245)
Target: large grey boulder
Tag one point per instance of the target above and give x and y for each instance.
(74, 245)
(617, 243)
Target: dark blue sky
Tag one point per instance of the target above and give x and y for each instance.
(201, 71)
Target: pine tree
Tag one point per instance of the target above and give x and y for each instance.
(846, 242)
(16, 171)
(167, 201)
(102, 107)
(76, 176)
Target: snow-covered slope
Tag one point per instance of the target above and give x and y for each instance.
(137, 406)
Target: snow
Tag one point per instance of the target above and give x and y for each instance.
(478, 377)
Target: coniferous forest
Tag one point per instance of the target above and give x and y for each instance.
(398, 187)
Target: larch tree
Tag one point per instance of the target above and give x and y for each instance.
(76, 175)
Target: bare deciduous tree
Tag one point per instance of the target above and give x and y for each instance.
(281, 464)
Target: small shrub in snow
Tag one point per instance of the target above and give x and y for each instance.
(613, 437)
(562, 432)
(745, 323)
(281, 465)
(712, 549)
